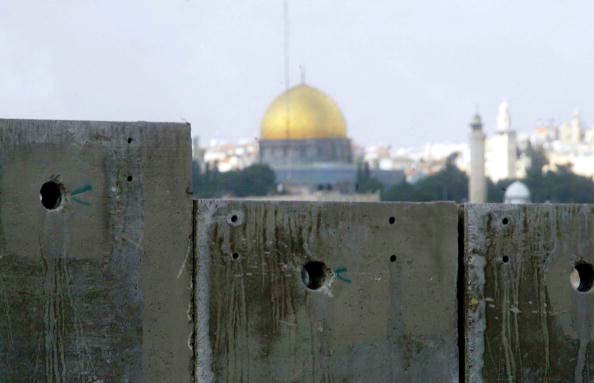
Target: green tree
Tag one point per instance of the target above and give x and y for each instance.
(255, 180)
(562, 186)
(496, 191)
(365, 182)
(538, 160)
(205, 183)
(449, 184)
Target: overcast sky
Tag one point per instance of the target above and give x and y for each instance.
(403, 72)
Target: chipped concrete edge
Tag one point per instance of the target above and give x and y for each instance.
(204, 212)
(474, 316)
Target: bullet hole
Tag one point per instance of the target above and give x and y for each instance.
(392, 258)
(392, 220)
(50, 195)
(582, 277)
(314, 274)
(505, 259)
(235, 218)
(235, 256)
(129, 178)
(505, 221)
(130, 140)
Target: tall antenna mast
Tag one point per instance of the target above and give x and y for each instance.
(287, 79)
(286, 43)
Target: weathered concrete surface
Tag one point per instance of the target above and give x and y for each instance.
(96, 290)
(107, 286)
(524, 320)
(377, 318)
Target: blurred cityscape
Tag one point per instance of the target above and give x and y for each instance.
(304, 152)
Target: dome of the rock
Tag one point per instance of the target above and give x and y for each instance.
(303, 113)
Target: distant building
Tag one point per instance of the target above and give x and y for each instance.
(304, 126)
(226, 157)
(333, 196)
(569, 143)
(571, 132)
(304, 139)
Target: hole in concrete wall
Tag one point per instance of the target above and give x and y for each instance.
(505, 221)
(235, 218)
(50, 195)
(235, 256)
(505, 259)
(130, 140)
(392, 258)
(314, 274)
(392, 220)
(582, 277)
(129, 178)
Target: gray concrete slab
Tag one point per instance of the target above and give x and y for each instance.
(97, 289)
(525, 321)
(381, 306)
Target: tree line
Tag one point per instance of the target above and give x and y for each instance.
(559, 186)
(254, 180)
(450, 184)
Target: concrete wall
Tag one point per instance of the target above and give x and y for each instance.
(95, 290)
(526, 318)
(385, 312)
(124, 278)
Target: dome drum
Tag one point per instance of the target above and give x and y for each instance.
(308, 151)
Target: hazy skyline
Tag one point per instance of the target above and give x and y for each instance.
(404, 73)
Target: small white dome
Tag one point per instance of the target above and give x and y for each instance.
(517, 192)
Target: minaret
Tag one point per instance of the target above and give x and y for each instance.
(502, 148)
(512, 145)
(477, 186)
(503, 118)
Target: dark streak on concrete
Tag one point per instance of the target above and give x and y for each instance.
(537, 328)
(396, 321)
(92, 293)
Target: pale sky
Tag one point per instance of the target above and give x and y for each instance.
(403, 72)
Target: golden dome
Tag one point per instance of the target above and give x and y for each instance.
(303, 113)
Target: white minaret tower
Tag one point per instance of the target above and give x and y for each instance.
(477, 185)
(501, 157)
(503, 118)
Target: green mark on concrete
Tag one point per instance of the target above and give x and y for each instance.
(81, 201)
(339, 272)
(81, 190)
